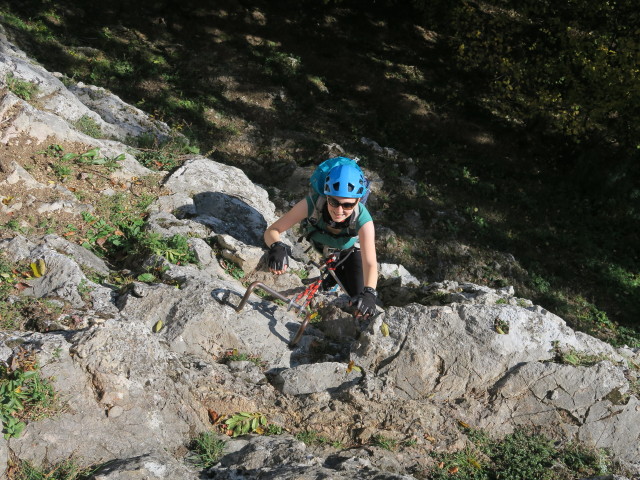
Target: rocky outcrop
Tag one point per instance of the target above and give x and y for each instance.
(141, 371)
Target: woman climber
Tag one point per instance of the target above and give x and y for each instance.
(336, 220)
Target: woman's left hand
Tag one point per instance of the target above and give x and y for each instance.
(365, 303)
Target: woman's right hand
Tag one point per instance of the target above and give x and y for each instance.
(278, 258)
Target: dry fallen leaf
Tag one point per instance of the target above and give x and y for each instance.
(453, 470)
(213, 416)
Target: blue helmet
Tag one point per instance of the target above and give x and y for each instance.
(345, 181)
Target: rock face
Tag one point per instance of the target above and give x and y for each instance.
(142, 372)
(455, 353)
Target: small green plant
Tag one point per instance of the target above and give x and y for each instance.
(84, 290)
(67, 470)
(522, 455)
(147, 277)
(302, 273)
(23, 395)
(61, 170)
(23, 89)
(245, 422)
(273, 429)
(88, 126)
(502, 301)
(163, 155)
(466, 174)
(232, 269)
(539, 283)
(235, 356)
(384, 442)
(309, 437)
(475, 217)
(312, 437)
(90, 157)
(278, 64)
(501, 326)
(175, 249)
(573, 357)
(207, 449)
(14, 224)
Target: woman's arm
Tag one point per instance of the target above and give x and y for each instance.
(367, 239)
(278, 260)
(297, 213)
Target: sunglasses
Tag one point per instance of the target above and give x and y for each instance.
(345, 205)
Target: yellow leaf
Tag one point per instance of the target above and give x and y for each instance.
(39, 268)
(384, 328)
(499, 330)
(350, 366)
(463, 424)
(475, 463)
(158, 326)
(353, 366)
(259, 430)
(7, 200)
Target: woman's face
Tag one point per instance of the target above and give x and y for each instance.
(340, 208)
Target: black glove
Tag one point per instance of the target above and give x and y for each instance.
(365, 302)
(278, 256)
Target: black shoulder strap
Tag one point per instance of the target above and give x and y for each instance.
(353, 221)
(318, 206)
(312, 220)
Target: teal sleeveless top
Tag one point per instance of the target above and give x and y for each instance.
(321, 236)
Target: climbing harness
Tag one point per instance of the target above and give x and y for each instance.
(303, 299)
